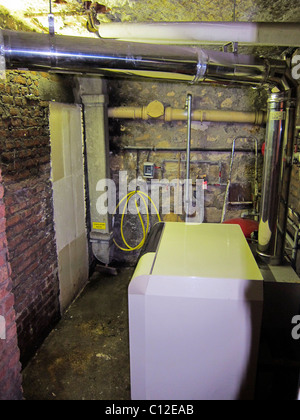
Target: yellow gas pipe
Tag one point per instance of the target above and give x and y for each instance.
(157, 110)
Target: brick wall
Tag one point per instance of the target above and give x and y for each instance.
(25, 163)
(10, 377)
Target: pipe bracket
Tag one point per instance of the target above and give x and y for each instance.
(201, 67)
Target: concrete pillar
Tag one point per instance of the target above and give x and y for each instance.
(92, 93)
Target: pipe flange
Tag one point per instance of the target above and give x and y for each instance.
(155, 109)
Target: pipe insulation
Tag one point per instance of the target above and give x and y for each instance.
(216, 33)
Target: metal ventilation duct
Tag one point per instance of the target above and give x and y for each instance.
(286, 34)
(34, 51)
(43, 52)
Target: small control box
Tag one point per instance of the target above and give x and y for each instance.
(149, 170)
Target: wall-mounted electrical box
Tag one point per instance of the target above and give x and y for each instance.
(149, 170)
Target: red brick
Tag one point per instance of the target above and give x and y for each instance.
(2, 211)
(11, 333)
(29, 212)
(3, 373)
(3, 259)
(8, 303)
(27, 259)
(16, 208)
(10, 317)
(14, 220)
(2, 225)
(9, 200)
(14, 360)
(4, 289)
(31, 268)
(16, 229)
(10, 376)
(22, 246)
(3, 273)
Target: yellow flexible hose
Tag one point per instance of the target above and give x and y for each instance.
(128, 197)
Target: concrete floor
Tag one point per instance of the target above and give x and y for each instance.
(86, 357)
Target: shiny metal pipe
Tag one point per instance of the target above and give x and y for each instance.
(42, 52)
(188, 153)
(34, 51)
(235, 68)
(276, 177)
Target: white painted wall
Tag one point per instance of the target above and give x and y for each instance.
(69, 199)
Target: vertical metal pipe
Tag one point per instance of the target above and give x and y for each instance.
(188, 153)
(276, 177)
(228, 182)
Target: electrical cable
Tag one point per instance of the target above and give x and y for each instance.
(51, 22)
(128, 197)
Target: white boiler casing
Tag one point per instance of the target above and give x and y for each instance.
(195, 309)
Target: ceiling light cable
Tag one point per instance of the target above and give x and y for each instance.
(51, 20)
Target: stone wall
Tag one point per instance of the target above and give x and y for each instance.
(213, 140)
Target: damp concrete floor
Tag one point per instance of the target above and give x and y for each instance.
(86, 357)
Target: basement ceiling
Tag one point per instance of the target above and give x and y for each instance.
(71, 16)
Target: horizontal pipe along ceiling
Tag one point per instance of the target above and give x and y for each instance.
(210, 33)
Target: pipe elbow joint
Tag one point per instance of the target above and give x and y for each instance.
(280, 79)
